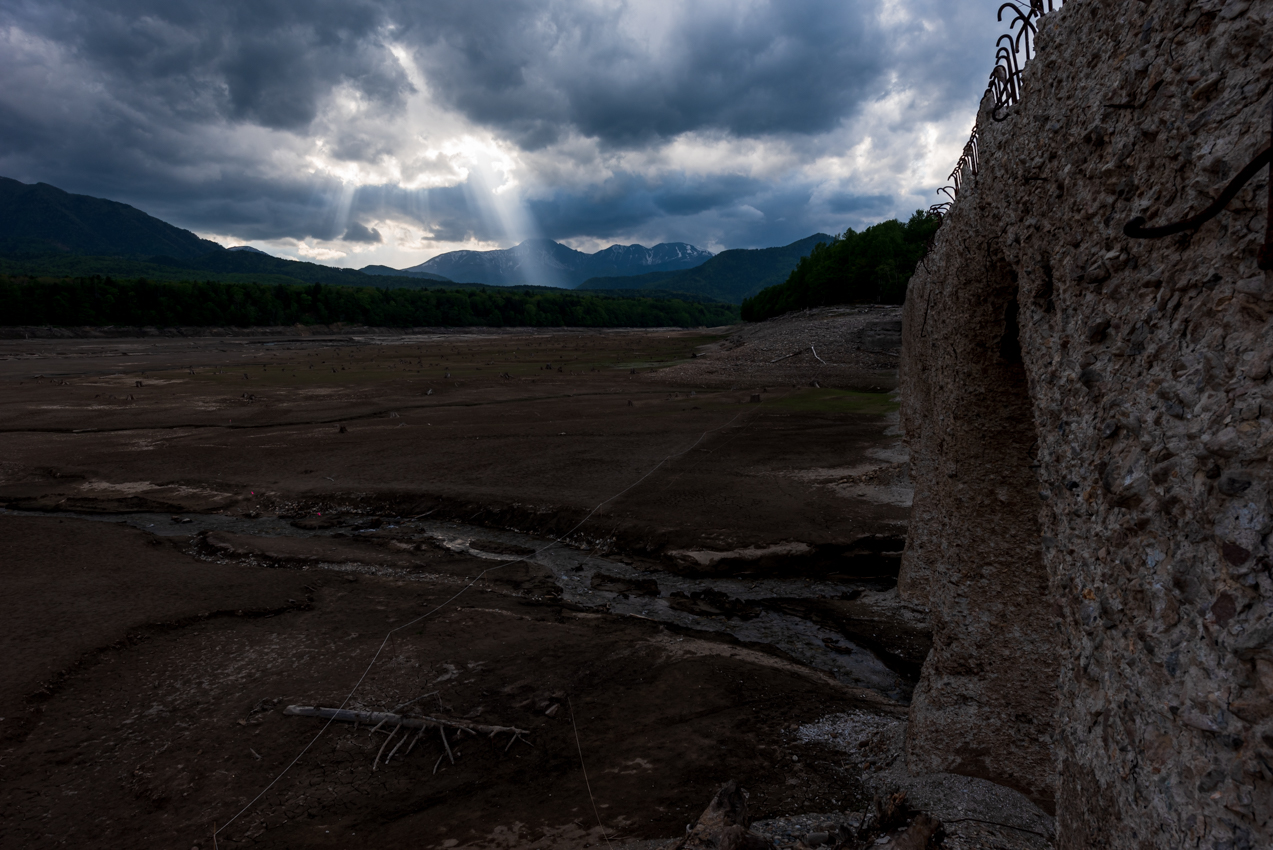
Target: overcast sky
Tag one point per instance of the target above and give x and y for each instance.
(365, 132)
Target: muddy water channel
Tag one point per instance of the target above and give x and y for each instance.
(857, 631)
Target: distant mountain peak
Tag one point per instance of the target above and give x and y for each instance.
(544, 262)
(728, 276)
(250, 249)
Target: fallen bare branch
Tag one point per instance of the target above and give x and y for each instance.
(397, 746)
(815, 354)
(424, 721)
(376, 763)
(449, 754)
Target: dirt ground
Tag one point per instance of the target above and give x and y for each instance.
(200, 532)
(535, 431)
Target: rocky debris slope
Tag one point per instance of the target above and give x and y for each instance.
(908, 813)
(854, 347)
(1090, 421)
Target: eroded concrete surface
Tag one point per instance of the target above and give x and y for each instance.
(1090, 421)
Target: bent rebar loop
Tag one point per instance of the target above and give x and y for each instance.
(969, 158)
(1013, 50)
(1137, 229)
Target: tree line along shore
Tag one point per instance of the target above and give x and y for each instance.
(871, 266)
(100, 301)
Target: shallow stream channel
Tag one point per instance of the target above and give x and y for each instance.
(857, 631)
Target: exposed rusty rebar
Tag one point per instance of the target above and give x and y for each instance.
(1137, 229)
(1012, 51)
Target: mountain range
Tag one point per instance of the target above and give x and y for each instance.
(543, 262)
(46, 231)
(728, 276)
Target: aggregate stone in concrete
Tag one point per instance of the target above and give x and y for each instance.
(1089, 417)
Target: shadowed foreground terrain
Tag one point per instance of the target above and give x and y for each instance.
(198, 533)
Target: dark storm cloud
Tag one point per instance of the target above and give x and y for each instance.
(170, 105)
(357, 232)
(535, 70)
(678, 209)
(448, 213)
(624, 201)
(268, 63)
(847, 202)
(754, 215)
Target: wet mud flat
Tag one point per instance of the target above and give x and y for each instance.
(564, 533)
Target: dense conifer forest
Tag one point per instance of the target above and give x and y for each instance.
(100, 301)
(873, 266)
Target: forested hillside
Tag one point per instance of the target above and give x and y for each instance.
(98, 301)
(868, 267)
(39, 218)
(222, 266)
(46, 232)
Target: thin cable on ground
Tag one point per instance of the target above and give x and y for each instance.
(584, 768)
(996, 823)
(698, 461)
(447, 602)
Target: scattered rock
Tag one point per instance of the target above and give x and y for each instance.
(917, 836)
(723, 825)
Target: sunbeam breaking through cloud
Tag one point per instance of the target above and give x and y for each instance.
(388, 132)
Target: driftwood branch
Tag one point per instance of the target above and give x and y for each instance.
(379, 717)
(401, 723)
(397, 746)
(376, 763)
(411, 746)
(449, 754)
(801, 351)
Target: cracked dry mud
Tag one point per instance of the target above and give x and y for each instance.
(190, 543)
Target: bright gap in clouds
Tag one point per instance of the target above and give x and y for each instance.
(396, 131)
